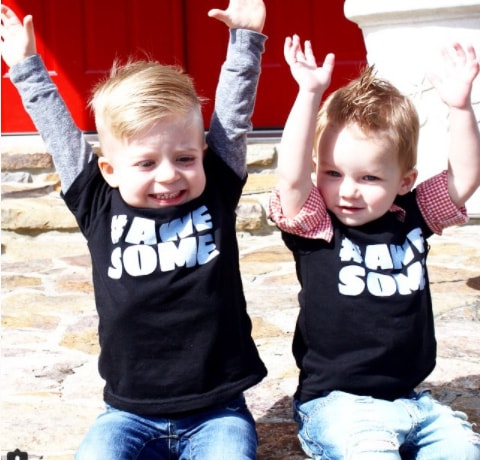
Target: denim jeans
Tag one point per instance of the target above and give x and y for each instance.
(344, 426)
(226, 432)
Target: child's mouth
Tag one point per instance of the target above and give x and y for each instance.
(166, 196)
(349, 209)
(168, 199)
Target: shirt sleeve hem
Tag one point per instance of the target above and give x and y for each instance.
(312, 221)
(436, 206)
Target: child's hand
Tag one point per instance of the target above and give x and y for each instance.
(17, 39)
(454, 84)
(304, 67)
(242, 14)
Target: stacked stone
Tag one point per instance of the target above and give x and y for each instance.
(30, 188)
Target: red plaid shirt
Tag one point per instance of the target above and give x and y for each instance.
(313, 221)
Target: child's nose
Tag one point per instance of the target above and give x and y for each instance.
(348, 188)
(166, 172)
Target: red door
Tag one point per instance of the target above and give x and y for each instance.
(79, 39)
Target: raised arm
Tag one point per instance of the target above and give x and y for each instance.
(296, 146)
(454, 85)
(40, 97)
(237, 86)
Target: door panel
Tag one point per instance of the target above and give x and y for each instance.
(324, 24)
(319, 21)
(80, 39)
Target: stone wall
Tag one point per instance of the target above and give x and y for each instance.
(30, 188)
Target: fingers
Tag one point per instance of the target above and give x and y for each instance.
(17, 37)
(288, 51)
(5, 11)
(216, 14)
(458, 54)
(220, 15)
(242, 14)
(293, 51)
(30, 34)
(454, 54)
(8, 16)
(470, 58)
(309, 56)
(461, 60)
(471, 54)
(329, 62)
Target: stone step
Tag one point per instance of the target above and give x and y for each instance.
(30, 208)
(30, 188)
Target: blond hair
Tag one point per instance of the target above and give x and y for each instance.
(140, 93)
(378, 109)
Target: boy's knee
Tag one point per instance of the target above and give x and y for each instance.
(462, 448)
(460, 445)
(469, 450)
(371, 442)
(463, 442)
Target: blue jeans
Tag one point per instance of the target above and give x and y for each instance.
(344, 426)
(226, 432)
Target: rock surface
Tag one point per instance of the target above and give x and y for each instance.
(51, 389)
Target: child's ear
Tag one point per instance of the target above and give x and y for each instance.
(314, 160)
(108, 172)
(408, 180)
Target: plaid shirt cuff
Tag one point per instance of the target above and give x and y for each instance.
(436, 206)
(312, 221)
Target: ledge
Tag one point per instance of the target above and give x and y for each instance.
(367, 13)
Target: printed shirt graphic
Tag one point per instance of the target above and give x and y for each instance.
(183, 242)
(366, 322)
(174, 332)
(382, 269)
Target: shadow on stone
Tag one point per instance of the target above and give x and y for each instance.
(474, 283)
(462, 394)
(277, 434)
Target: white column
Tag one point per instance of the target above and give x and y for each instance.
(403, 39)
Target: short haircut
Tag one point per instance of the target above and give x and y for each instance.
(378, 109)
(140, 93)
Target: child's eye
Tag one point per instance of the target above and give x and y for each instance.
(186, 159)
(145, 164)
(369, 178)
(332, 173)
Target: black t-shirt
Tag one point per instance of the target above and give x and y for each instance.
(366, 322)
(174, 333)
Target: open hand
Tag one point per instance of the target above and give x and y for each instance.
(303, 65)
(242, 14)
(17, 38)
(454, 82)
